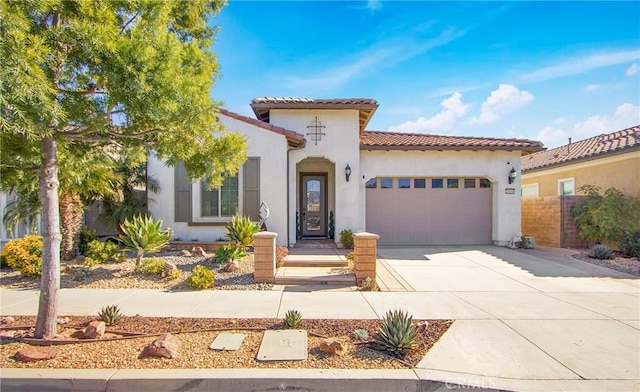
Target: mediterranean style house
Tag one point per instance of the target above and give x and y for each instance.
(319, 171)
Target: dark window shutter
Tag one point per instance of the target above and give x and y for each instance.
(251, 189)
(183, 194)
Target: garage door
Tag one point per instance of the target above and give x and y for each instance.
(429, 211)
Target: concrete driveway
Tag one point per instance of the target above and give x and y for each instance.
(526, 320)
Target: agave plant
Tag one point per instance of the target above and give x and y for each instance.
(228, 253)
(292, 319)
(143, 234)
(110, 315)
(240, 231)
(397, 335)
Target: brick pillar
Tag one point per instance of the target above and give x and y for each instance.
(366, 250)
(264, 256)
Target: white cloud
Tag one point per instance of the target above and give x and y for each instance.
(552, 136)
(580, 65)
(374, 5)
(505, 99)
(632, 70)
(593, 87)
(442, 122)
(625, 116)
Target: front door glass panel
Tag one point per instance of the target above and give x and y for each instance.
(313, 214)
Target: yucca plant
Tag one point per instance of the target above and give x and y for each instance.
(240, 231)
(292, 319)
(602, 252)
(228, 253)
(143, 234)
(110, 315)
(397, 334)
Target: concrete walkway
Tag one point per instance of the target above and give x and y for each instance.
(525, 320)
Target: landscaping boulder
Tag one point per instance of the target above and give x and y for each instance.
(198, 252)
(7, 320)
(333, 347)
(32, 354)
(185, 253)
(168, 269)
(230, 267)
(95, 330)
(165, 346)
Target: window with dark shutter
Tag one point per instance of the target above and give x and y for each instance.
(251, 189)
(183, 194)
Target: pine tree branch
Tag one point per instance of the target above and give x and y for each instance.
(124, 28)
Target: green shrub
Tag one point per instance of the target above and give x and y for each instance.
(110, 315)
(24, 255)
(201, 278)
(281, 253)
(292, 319)
(240, 231)
(602, 252)
(3, 262)
(152, 266)
(227, 253)
(99, 252)
(397, 334)
(174, 274)
(369, 284)
(346, 239)
(630, 244)
(143, 234)
(84, 238)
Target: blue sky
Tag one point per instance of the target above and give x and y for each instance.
(538, 70)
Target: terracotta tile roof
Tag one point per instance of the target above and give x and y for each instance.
(294, 138)
(365, 106)
(376, 140)
(594, 147)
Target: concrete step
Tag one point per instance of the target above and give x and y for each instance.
(314, 275)
(315, 260)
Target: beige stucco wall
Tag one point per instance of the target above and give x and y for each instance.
(272, 150)
(619, 171)
(494, 165)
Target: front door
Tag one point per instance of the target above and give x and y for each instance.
(313, 206)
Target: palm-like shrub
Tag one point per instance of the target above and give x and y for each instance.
(228, 253)
(143, 234)
(240, 231)
(397, 334)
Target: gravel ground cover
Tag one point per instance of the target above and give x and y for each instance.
(629, 265)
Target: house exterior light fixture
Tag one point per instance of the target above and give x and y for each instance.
(512, 175)
(347, 172)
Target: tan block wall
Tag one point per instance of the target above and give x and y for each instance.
(541, 219)
(264, 256)
(570, 238)
(366, 251)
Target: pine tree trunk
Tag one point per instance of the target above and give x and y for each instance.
(46, 327)
(70, 223)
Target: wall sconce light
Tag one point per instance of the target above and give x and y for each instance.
(347, 172)
(512, 175)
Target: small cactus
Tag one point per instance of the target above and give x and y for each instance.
(360, 334)
(602, 252)
(292, 319)
(397, 335)
(110, 315)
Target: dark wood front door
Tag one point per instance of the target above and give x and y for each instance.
(314, 208)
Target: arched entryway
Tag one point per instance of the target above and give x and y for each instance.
(315, 195)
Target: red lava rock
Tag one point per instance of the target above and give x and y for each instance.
(95, 330)
(165, 346)
(333, 347)
(32, 354)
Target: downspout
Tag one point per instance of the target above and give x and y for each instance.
(300, 147)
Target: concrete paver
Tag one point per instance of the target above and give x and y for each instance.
(332, 305)
(619, 306)
(236, 304)
(430, 305)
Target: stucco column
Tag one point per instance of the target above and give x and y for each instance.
(264, 256)
(366, 250)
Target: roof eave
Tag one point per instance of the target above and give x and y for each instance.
(583, 159)
(526, 150)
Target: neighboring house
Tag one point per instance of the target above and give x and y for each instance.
(312, 162)
(551, 179)
(20, 230)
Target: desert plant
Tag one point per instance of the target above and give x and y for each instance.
(603, 218)
(174, 274)
(228, 253)
(281, 253)
(99, 252)
(602, 252)
(3, 262)
(143, 234)
(630, 244)
(110, 315)
(240, 231)
(201, 277)
(360, 334)
(84, 238)
(351, 261)
(292, 319)
(24, 255)
(346, 239)
(368, 284)
(152, 266)
(397, 334)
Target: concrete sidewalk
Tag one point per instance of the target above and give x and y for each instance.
(534, 321)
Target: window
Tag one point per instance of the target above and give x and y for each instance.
(485, 183)
(437, 183)
(469, 182)
(567, 187)
(419, 183)
(452, 182)
(404, 183)
(221, 202)
(386, 183)
(371, 183)
(530, 190)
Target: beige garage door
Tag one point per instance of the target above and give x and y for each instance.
(429, 211)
